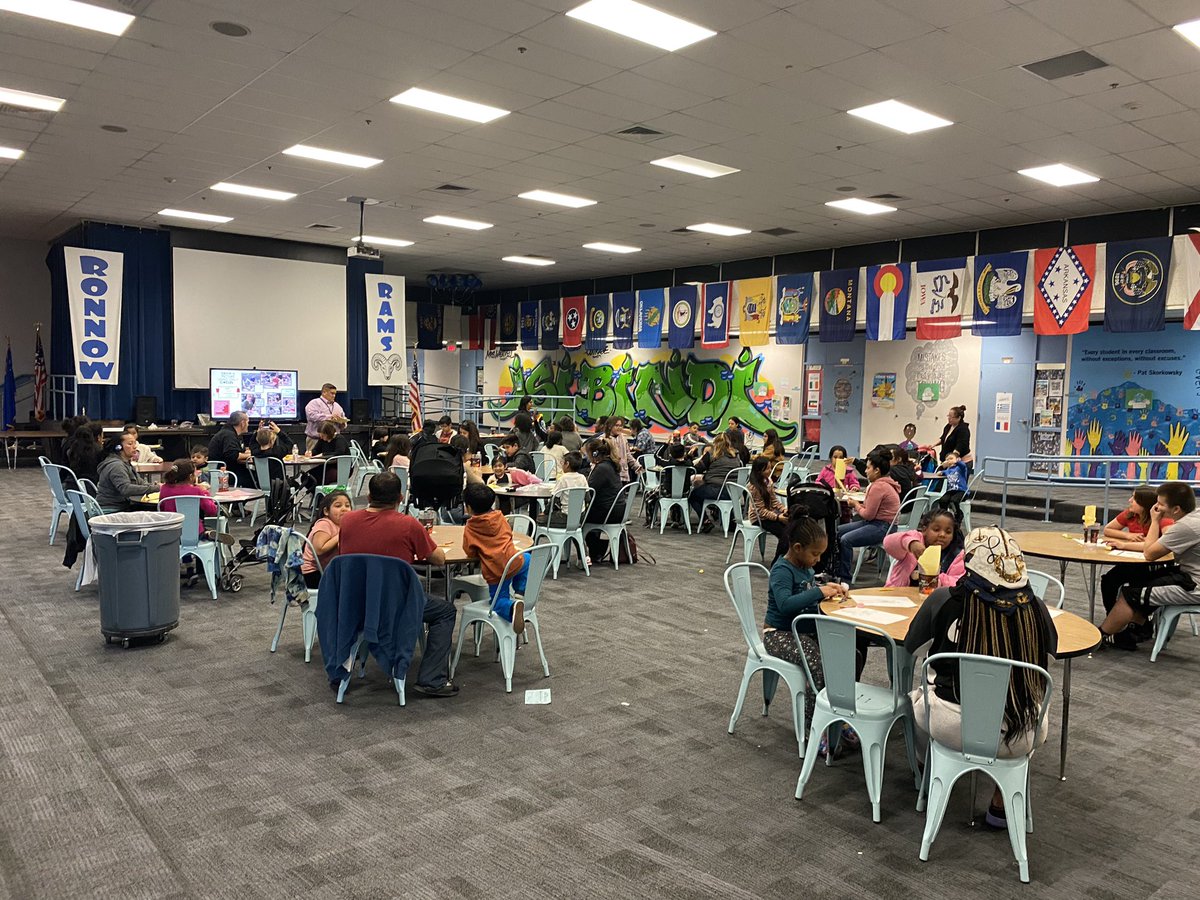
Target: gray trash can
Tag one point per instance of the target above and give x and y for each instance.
(137, 554)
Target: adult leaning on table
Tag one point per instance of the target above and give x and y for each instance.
(118, 483)
(319, 410)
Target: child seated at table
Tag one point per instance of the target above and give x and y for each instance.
(554, 447)
(144, 453)
(488, 537)
(397, 451)
(937, 528)
(955, 471)
(446, 429)
(569, 476)
(324, 536)
(873, 516)
(180, 481)
(1127, 531)
(828, 477)
(379, 441)
(200, 456)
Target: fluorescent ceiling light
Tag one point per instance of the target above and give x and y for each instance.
(1059, 175)
(333, 156)
(557, 199)
(455, 222)
(866, 207)
(694, 166)
(265, 193)
(641, 22)
(528, 260)
(69, 12)
(198, 216)
(723, 230)
(382, 241)
(1190, 30)
(11, 153)
(900, 116)
(449, 106)
(30, 101)
(611, 248)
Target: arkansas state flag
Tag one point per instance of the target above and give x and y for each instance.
(572, 319)
(999, 299)
(681, 303)
(838, 290)
(650, 318)
(550, 310)
(529, 325)
(886, 295)
(624, 303)
(1063, 278)
(940, 289)
(793, 308)
(752, 297)
(1135, 285)
(1184, 287)
(597, 323)
(508, 322)
(715, 333)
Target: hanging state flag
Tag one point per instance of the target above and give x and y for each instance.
(10, 392)
(714, 333)
(999, 284)
(429, 325)
(550, 311)
(752, 297)
(474, 331)
(624, 305)
(650, 318)
(597, 323)
(529, 325)
(837, 305)
(939, 287)
(509, 321)
(682, 303)
(490, 314)
(1183, 288)
(39, 378)
(885, 292)
(793, 308)
(1135, 285)
(572, 318)
(1063, 278)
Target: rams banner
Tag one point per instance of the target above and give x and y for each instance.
(385, 331)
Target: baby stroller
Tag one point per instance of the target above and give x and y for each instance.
(822, 505)
(435, 477)
(279, 512)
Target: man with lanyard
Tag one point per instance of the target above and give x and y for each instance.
(321, 409)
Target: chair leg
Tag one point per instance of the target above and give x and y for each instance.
(614, 545)
(741, 695)
(478, 636)
(1167, 620)
(507, 646)
(1013, 785)
(798, 715)
(770, 681)
(820, 721)
(308, 621)
(537, 636)
(937, 799)
(872, 760)
(733, 543)
(210, 573)
(279, 630)
(458, 645)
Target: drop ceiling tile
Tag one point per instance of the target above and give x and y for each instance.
(1091, 22)
(791, 40)
(1154, 54)
(945, 57)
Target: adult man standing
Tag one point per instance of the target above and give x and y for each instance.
(228, 447)
(382, 529)
(322, 409)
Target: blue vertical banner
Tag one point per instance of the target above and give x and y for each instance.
(429, 325)
(597, 323)
(1135, 285)
(550, 314)
(886, 291)
(529, 325)
(624, 305)
(681, 304)
(715, 331)
(650, 318)
(508, 321)
(793, 308)
(999, 288)
(838, 289)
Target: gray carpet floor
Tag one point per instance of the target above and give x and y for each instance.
(208, 767)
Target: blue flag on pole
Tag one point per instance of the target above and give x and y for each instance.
(508, 321)
(529, 325)
(681, 304)
(597, 323)
(650, 318)
(886, 290)
(837, 305)
(10, 392)
(999, 294)
(624, 306)
(1135, 285)
(715, 332)
(550, 313)
(793, 308)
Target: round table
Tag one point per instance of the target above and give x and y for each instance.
(449, 539)
(1076, 637)
(543, 491)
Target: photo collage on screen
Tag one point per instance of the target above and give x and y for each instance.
(260, 394)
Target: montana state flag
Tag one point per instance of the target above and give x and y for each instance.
(508, 322)
(714, 330)
(572, 319)
(650, 318)
(1135, 285)
(885, 289)
(1063, 278)
(752, 297)
(837, 305)
(793, 308)
(597, 323)
(1184, 289)
(681, 307)
(624, 303)
(999, 294)
(529, 324)
(940, 289)
(550, 310)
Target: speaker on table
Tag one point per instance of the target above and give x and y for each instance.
(360, 412)
(145, 410)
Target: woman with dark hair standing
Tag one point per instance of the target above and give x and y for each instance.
(956, 436)
(536, 419)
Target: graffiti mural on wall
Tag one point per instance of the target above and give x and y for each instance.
(666, 393)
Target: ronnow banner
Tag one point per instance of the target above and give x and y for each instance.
(386, 337)
(94, 295)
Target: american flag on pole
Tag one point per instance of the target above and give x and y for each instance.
(414, 397)
(39, 380)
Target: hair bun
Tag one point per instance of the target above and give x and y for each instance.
(799, 511)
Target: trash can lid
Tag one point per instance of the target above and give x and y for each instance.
(119, 523)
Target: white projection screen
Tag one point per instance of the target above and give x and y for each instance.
(234, 311)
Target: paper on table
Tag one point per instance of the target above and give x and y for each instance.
(871, 616)
(1128, 554)
(1055, 613)
(883, 600)
(541, 697)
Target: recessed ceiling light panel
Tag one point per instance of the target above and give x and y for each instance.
(198, 216)
(642, 23)
(432, 101)
(528, 260)
(1190, 30)
(605, 247)
(70, 12)
(557, 199)
(247, 191)
(1059, 175)
(27, 100)
(455, 222)
(381, 241)
(865, 207)
(336, 157)
(11, 153)
(722, 230)
(694, 166)
(900, 116)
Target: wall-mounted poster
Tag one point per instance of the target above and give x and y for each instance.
(1043, 443)
(812, 390)
(843, 388)
(928, 392)
(1003, 420)
(1049, 389)
(883, 390)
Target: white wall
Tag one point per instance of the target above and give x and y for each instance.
(24, 301)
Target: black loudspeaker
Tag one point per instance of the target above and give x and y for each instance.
(145, 410)
(360, 412)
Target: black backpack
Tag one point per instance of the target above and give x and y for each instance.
(435, 475)
(824, 506)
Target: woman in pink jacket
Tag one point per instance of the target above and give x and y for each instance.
(937, 527)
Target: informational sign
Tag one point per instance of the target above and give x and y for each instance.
(386, 337)
(1003, 417)
(883, 390)
(812, 391)
(94, 297)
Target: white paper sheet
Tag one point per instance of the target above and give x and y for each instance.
(1128, 554)
(541, 696)
(870, 616)
(1055, 613)
(883, 600)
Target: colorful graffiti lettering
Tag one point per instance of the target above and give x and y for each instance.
(667, 393)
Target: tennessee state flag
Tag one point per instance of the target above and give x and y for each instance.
(1063, 278)
(940, 287)
(715, 331)
(886, 291)
(1184, 286)
(572, 319)
(753, 296)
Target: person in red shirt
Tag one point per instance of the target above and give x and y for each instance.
(1127, 531)
(381, 528)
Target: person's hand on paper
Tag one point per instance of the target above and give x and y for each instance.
(833, 591)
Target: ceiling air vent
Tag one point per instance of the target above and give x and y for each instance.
(1065, 66)
(23, 111)
(454, 189)
(886, 197)
(640, 133)
(321, 226)
(778, 232)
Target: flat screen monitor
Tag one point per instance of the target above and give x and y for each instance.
(260, 393)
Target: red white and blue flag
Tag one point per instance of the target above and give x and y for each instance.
(39, 379)
(1063, 279)
(940, 288)
(414, 397)
(1183, 289)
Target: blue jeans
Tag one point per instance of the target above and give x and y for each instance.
(857, 534)
(504, 603)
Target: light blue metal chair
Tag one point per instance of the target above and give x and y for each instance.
(1166, 619)
(308, 612)
(983, 683)
(401, 472)
(750, 533)
(615, 530)
(363, 470)
(1044, 585)
(343, 468)
(908, 516)
(266, 469)
(674, 496)
(489, 453)
(578, 501)
(722, 504)
(741, 594)
(62, 506)
(648, 476)
(545, 466)
(871, 710)
(83, 507)
(190, 543)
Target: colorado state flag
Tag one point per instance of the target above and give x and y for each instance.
(999, 294)
(572, 317)
(681, 307)
(752, 297)
(597, 323)
(886, 291)
(1135, 285)
(650, 318)
(623, 304)
(529, 324)
(837, 305)
(793, 308)
(550, 310)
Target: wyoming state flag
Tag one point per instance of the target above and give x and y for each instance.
(885, 289)
(508, 322)
(1184, 288)
(715, 331)
(681, 307)
(623, 305)
(550, 312)
(999, 294)
(793, 308)
(752, 297)
(1135, 285)
(529, 324)
(597, 323)
(572, 319)
(940, 289)
(1063, 278)
(837, 295)
(650, 318)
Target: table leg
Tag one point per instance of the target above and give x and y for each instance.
(1090, 581)
(1066, 719)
